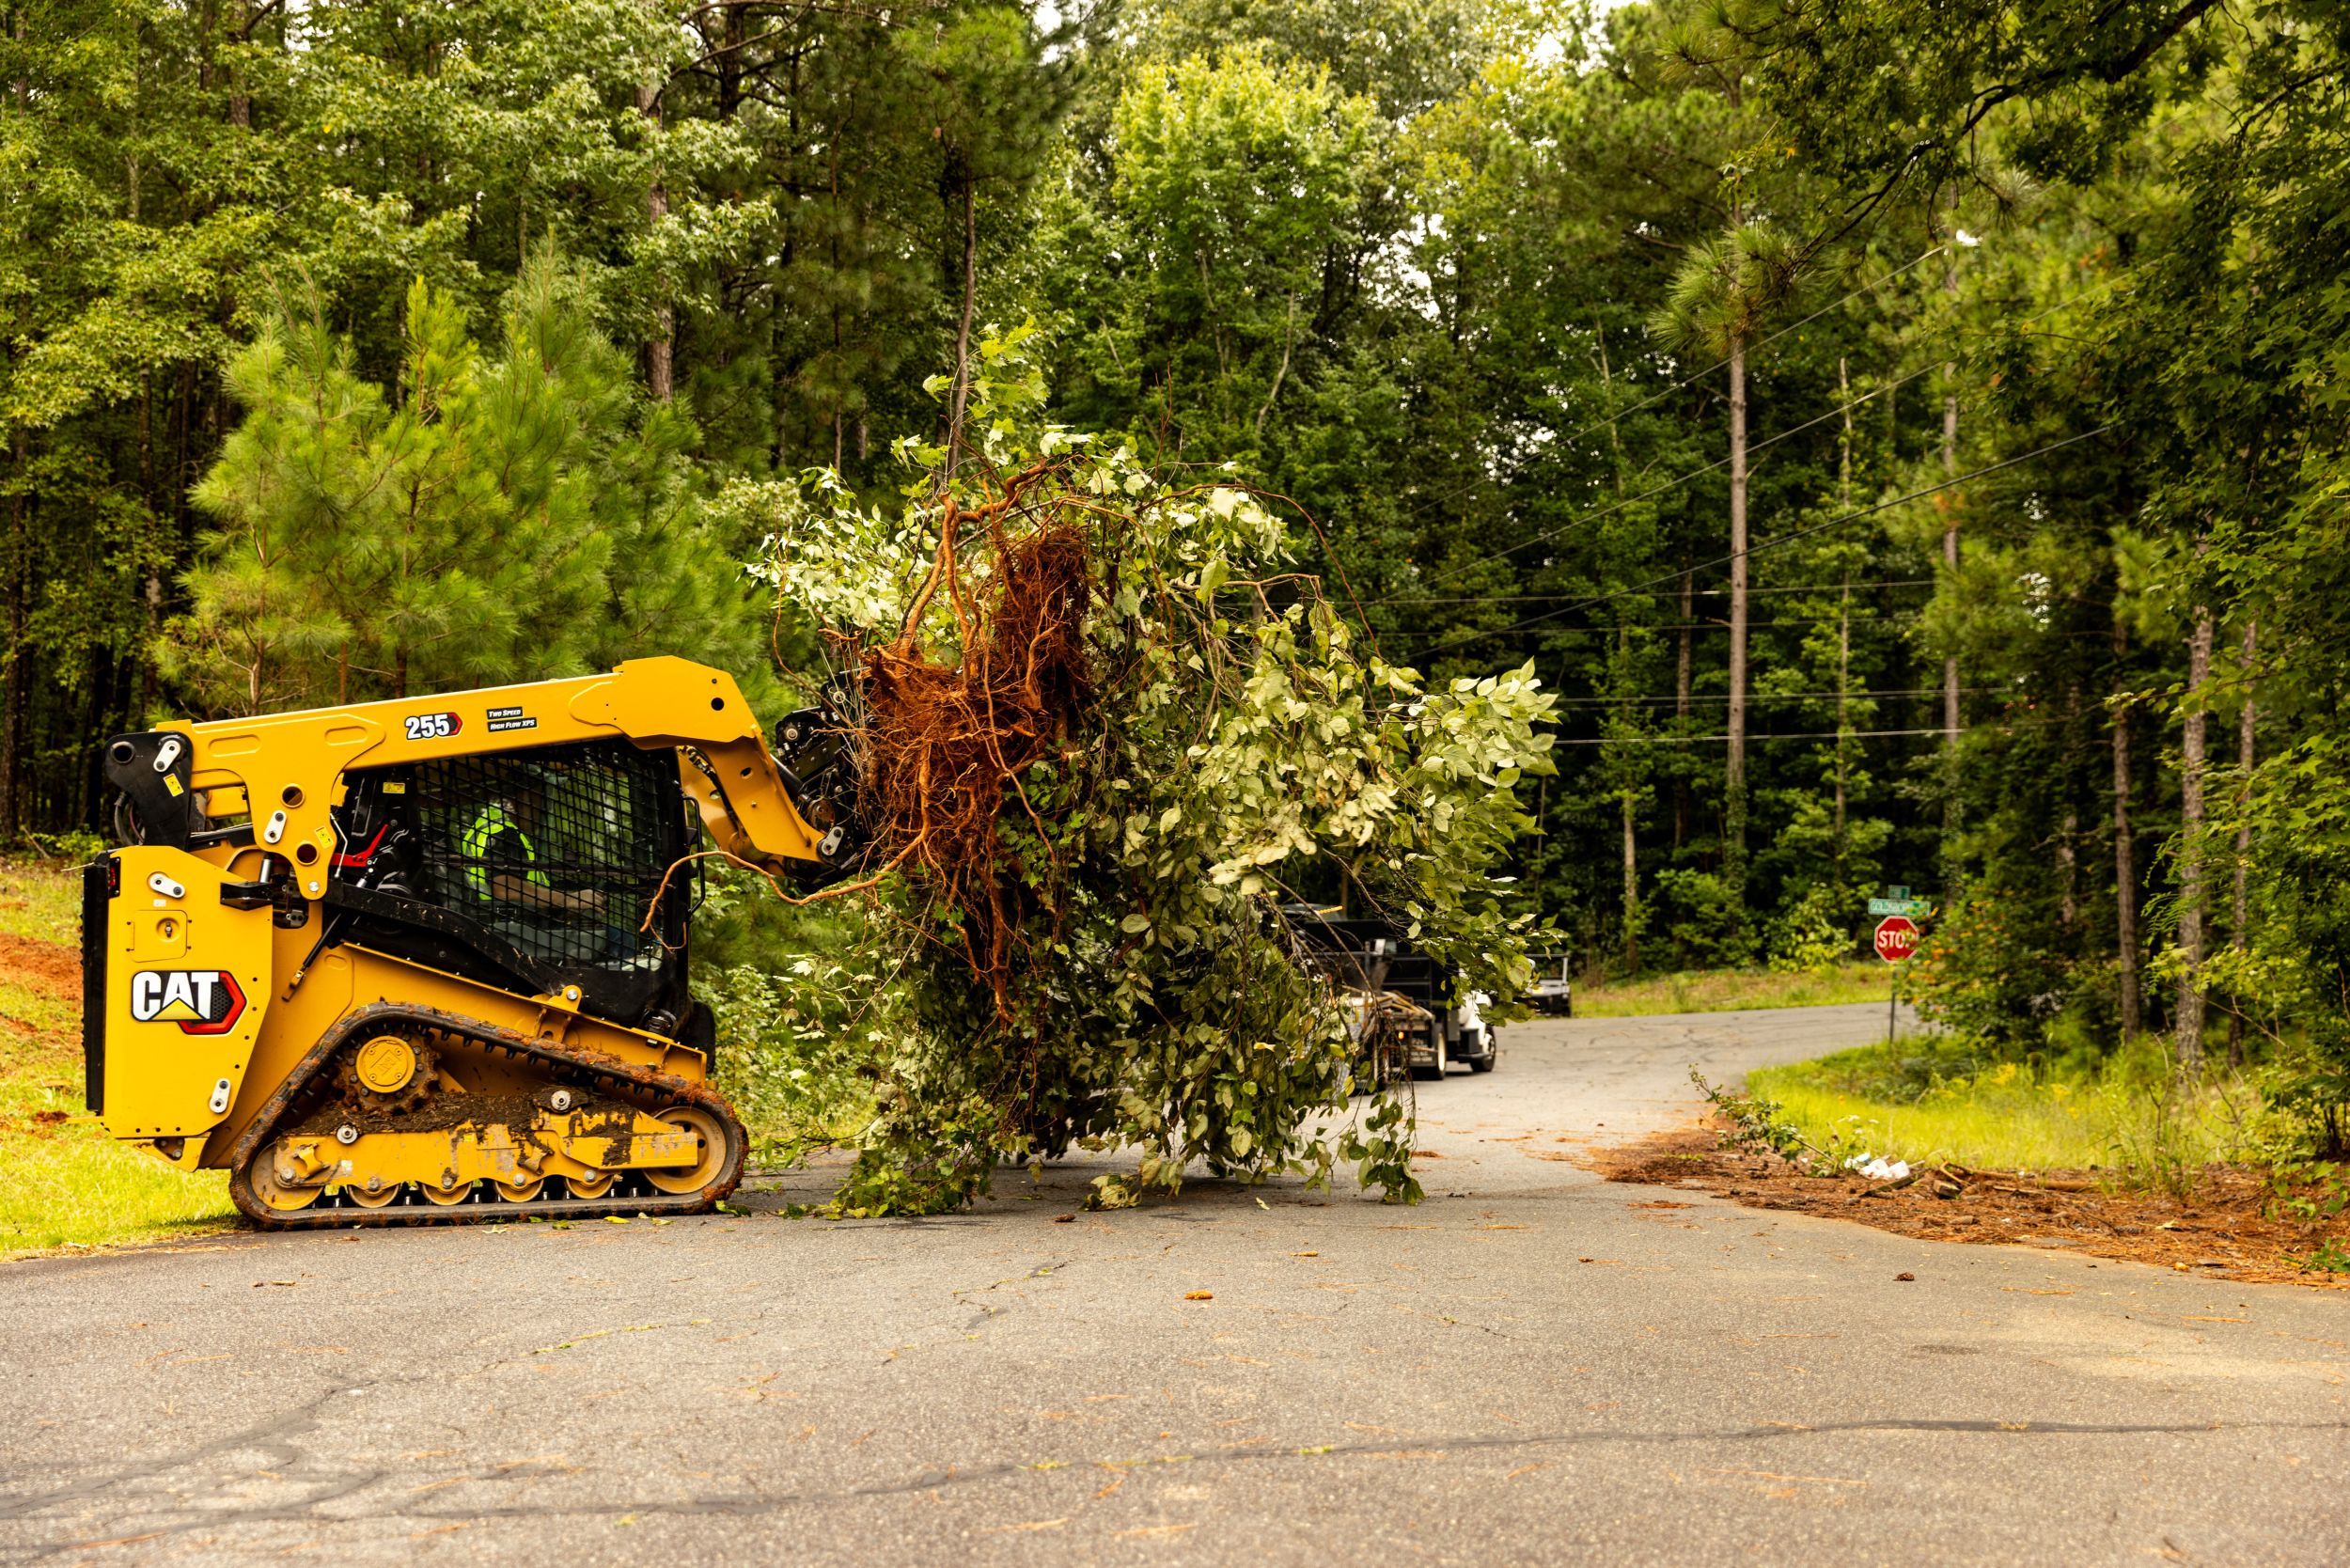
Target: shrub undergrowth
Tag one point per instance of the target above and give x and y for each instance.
(1943, 1100)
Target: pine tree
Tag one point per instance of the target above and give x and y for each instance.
(484, 521)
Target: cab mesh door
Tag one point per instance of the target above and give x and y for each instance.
(559, 849)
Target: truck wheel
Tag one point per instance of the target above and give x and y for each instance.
(1443, 1061)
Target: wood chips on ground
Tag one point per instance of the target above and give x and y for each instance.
(2223, 1230)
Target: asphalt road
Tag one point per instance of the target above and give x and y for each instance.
(1532, 1366)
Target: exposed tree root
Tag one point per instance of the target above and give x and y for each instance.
(943, 741)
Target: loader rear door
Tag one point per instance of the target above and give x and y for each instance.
(175, 987)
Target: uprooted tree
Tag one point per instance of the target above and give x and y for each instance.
(1107, 732)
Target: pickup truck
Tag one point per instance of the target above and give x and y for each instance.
(1553, 992)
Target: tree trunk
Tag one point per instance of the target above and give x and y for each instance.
(1843, 616)
(2124, 867)
(731, 41)
(963, 322)
(2240, 919)
(1950, 561)
(152, 590)
(241, 101)
(2188, 1039)
(1734, 772)
(20, 571)
(1542, 830)
(1631, 890)
(1681, 707)
(1949, 662)
(1843, 719)
(660, 369)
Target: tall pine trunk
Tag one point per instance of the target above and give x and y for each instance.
(1843, 620)
(20, 569)
(660, 350)
(1681, 707)
(2124, 852)
(1950, 562)
(1734, 773)
(961, 175)
(1631, 889)
(2240, 913)
(2188, 1039)
(2068, 835)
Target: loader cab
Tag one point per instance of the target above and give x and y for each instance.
(532, 869)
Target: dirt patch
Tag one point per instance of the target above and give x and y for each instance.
(2223, 1231)
(53, 971)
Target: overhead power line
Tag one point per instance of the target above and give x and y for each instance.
(1772, 544)
(1858, 621)
(1762, 697)
(1423, 503)
(1675, 483)
(1792, 326)
(1447, 574)
(1753, 739)
(1701, 593)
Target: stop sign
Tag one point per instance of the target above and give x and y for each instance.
(1897, 937)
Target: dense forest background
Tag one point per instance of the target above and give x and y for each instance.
(1910, 438)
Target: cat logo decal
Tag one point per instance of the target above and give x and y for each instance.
(201, 1001)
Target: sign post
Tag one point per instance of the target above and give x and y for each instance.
(1897, 938)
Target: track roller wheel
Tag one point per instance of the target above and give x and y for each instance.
(447, 1197)
(274, 1184)
(712, 1136)
(381, 1198)
(593, 1187)
(521, 1192)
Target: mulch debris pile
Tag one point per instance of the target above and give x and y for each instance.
(2223, 1230)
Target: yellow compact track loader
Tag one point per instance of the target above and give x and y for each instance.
(408, 962)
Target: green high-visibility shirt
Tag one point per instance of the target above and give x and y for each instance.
(481, 842)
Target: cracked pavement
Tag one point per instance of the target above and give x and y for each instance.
(1532, 1365)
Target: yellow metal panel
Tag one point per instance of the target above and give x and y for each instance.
(493, 1152)
(187, 988)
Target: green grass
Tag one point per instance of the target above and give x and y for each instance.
(1925, 1101)
(1729, 990)
(41, 900)
(65, 1182)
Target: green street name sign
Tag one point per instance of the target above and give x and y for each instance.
(1912, 907)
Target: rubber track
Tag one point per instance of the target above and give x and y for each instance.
(631, 1081)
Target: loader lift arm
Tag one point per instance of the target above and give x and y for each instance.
(274, 780)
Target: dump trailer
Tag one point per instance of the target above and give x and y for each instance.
(1417, 1009)
(422, 961)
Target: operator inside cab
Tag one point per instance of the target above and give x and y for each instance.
(502, 863)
